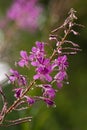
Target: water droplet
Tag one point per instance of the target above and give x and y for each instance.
(67, 82)
(54, 105)
(32, 88)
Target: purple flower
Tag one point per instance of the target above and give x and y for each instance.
(37, 52)
(25, 13)
(22, 81)
(49, 102)
(30, 100)
(24, 59)
(37, 58)
(60, 77)
(60, 62)
(48, 91)
(16, 77)
(18, 92)
(43, 70)
(43, 74)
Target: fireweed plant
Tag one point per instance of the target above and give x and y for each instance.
(24, 14)
(21, 15)
(50, 71)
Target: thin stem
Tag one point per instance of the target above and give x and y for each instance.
(54, 52)
(19, 99)
(28, 88)
(62, 41)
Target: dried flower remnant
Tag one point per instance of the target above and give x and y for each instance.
(50, 71)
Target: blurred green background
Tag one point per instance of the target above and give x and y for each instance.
(70, 112)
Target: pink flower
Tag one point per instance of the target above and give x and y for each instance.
(24, 59)
(25, 13)
(30, 100)
(37, 52)
(42, 64)
(60, 77)
(60, 62)
(16, 77)
(43, 70)
(48, 91)
(18, 92)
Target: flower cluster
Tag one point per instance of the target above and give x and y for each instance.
(44, 67)
(25, 13)
(62, 64)
(50, 71)
(42, 64)
(15, 77)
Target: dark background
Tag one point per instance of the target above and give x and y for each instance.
(71, 101)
